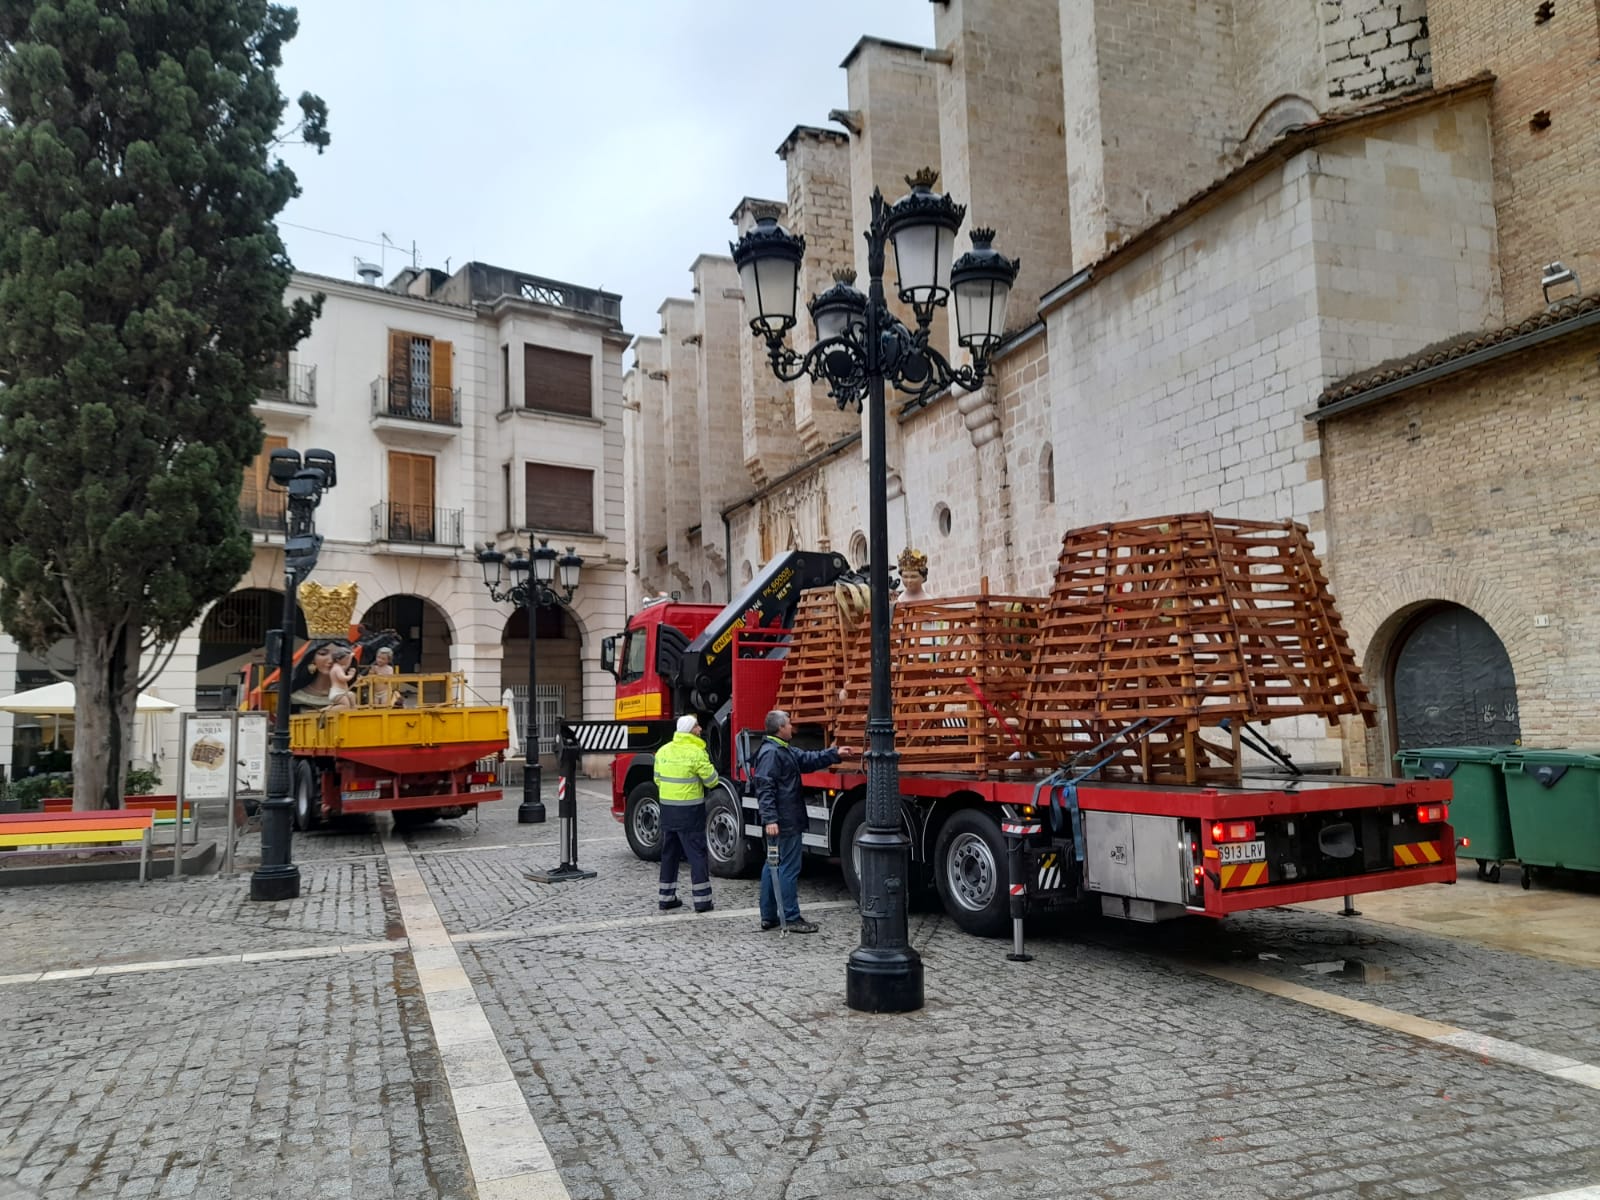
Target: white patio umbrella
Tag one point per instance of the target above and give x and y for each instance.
(60, 700)
(514, 733)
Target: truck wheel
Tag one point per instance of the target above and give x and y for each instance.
(307, 797)
(641, 820)
(726, 845)
(849, 855)
(970, 871)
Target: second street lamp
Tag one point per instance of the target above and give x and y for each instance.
(533, 571)
(861, 346)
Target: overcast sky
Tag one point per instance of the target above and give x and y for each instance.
(602, 143)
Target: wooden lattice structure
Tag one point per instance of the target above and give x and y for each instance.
(814, 670)
(1192, 624)
(959, 671)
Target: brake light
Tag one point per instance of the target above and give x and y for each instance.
(1432, 814)
(1233, 831)
(368, 785)
(481, 777)
(1464, 843)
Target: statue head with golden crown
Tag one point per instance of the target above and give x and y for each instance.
(328, 610)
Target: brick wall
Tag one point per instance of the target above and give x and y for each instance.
(1546, 180)
(721, 425)
(1479, 490)
(766, 413)
(1277, 54)
(1002, 136)
(681, 442)
(818, 168)
(645, 398)
(1033, 537)
(1375, 47)
(1150, 93)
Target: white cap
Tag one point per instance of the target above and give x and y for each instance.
(687, 724)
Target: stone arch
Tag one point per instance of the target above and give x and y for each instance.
(559, 667)
(1283, 114)
(1376, 623)
(426, 631)
(746, 572)
(858, 548)
(1047, 474)
(233, 634)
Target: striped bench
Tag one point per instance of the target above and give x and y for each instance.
(91, 832)
(162, 808)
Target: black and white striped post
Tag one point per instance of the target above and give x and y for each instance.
(1018, 865)
(566, 817)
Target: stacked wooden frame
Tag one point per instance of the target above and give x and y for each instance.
(1163, 636)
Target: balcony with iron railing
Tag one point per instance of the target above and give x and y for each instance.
(415, 404)
(292, 386)
(264, 516)
(416, 525)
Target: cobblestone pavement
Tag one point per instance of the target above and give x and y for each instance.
(678, 1055)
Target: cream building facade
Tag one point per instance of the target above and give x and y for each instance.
(1224, 212)
(463, 409)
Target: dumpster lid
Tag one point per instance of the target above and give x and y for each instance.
(1458, 753)
(1588, 756)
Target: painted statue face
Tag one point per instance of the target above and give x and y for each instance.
(322, 659)
(913, 578)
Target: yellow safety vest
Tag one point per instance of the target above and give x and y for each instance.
(683, 770)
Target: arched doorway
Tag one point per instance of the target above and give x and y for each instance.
(234, 634)
(424, 632)
(1452, 683)
(560, 670)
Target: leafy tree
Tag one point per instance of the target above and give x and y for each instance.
(141, 298)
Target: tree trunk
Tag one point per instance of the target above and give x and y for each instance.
(106, 682)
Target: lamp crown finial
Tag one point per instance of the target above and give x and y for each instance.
(845, 275)
(924, 178)
(983, 237)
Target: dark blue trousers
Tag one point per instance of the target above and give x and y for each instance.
(683, 836)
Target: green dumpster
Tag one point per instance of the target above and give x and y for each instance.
(1553, 797)
(1478, 803)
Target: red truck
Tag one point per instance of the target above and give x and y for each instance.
(1141, 852)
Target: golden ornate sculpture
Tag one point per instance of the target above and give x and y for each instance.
(328, 610)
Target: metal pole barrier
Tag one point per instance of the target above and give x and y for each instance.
(567, 819)
(1019, 899)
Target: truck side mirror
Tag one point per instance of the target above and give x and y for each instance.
(608, 655)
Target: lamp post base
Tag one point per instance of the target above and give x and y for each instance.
(275, 883)
(562, 874)
(883, 981)
(531, 812)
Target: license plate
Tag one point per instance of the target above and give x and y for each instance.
(363, 794)
(484, 787)
(1242, 852)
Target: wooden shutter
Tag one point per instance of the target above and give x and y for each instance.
(399, 371)
(556, 381)
(254, 497)
(410, 497)
(559, 498)
(443, 387)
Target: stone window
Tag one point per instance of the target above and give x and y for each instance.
(941, 517)
(858, 548)
(1047, 474)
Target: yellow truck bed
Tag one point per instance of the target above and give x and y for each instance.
(434, 730)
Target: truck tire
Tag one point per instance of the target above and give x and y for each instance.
(729, 851)
(970, 870)
(641, 820)
(850, 857)
(306, 792)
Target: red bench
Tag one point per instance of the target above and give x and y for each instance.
(92, 832)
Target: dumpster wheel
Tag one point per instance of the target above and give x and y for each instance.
(1489, 871)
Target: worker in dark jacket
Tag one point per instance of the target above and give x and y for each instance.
(683, 773)
(777, 768)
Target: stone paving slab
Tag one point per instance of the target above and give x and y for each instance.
(95, 924)
(228, 1083)
(695, 1059)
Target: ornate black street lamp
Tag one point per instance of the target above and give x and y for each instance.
(532, 574)
(305, 480)
(860, 346)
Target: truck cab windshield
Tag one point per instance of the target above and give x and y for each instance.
(633, 656)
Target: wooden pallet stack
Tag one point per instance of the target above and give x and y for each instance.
(1180, 629)
(959, 670)
(815, 667)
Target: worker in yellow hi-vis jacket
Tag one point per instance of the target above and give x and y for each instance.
(683, 773)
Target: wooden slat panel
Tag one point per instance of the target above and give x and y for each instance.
(559, 499)
(557, 381)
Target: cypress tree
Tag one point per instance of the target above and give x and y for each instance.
(142, 286)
